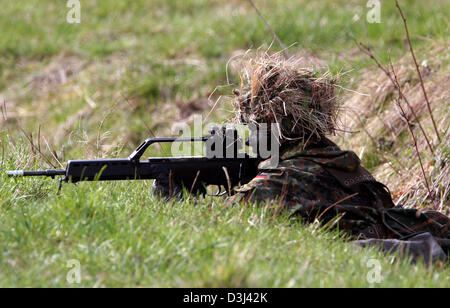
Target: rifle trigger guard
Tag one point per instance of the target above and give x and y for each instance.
(219, 192)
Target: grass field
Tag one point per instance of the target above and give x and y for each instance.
(132, 68)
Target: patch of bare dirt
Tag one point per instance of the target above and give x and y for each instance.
(57, 72)
(191, 107)
(38, 82)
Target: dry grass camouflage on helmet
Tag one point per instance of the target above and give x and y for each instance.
(301, 103)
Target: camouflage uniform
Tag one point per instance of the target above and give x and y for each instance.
(323, 182)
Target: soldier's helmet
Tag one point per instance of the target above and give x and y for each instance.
(302, 104)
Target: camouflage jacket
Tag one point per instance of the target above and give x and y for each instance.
(312, 182)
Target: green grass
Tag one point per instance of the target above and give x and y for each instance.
(120, 234)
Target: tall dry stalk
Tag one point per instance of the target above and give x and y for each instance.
(34, 148)
(418, 70)
(365, 49)
(408, 123)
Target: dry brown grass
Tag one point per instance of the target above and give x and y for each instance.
(380, 127)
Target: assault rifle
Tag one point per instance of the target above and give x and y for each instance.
(223, 166)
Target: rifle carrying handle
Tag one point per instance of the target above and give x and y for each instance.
(137, 154)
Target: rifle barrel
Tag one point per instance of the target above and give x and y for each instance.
(50, 173)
